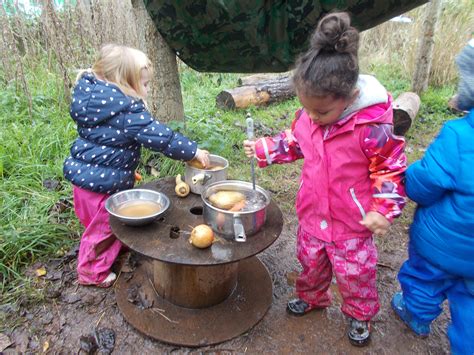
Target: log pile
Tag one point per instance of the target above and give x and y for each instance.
(264, 89)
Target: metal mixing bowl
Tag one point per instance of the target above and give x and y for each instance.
(117, 200)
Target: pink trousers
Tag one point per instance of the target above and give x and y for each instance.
(354, 263)
(99, 248)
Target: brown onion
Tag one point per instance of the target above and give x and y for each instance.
(202, 236)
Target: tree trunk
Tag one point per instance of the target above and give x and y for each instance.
(405, 109)
(258, 90)
(165, 100)
(425, 48)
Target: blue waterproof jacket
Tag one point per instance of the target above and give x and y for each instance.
(112, 129)
(442, 184)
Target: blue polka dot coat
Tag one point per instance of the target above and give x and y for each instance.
(112, 129)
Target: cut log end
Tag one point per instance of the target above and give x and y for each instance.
(225, 100)
(405, 109)
(401, 122)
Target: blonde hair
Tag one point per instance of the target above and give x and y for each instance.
(121, 66)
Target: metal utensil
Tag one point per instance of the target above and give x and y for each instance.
(250, 136)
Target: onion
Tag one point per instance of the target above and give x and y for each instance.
(202, 236)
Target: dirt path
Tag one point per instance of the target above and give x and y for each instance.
(72, 311)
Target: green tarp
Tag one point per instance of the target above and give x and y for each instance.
(255, 35)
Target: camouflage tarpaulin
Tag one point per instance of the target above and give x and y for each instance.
(255, 35)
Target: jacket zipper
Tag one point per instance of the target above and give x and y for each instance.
(301, 184)
(356, 201)
(326, 133)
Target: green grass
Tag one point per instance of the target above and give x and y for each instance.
(32, 150)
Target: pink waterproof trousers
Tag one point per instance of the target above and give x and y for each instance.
(353, 261)
(99, 247)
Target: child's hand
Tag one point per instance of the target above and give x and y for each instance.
(249, 148)
(203, 157)
(376, 223)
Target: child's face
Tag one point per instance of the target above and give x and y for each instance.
(144, 79)
(325, 110)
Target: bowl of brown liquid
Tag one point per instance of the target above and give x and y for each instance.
(137, 207)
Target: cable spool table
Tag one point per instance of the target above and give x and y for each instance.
(200, 296)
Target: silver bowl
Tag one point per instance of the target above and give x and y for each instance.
(119, 199)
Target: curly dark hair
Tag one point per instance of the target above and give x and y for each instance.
(330, 66)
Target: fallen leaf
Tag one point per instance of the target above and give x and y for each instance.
(291, 278)
(4, 342)
(45, 346)
(40, 271)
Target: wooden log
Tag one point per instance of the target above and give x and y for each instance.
(241, 97)
(257, 91)
(405, 109)
(258, 78)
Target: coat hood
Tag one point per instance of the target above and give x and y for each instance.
(95, 101)
(372, 105)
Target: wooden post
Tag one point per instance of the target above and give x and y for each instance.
(425, 48)
(165, 100)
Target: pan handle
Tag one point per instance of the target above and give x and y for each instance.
(201, 178)
(239, 232)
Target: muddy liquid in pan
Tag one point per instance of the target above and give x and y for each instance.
(138, 209)
(215, 167)
(253, 201)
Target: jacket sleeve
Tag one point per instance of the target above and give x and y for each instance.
(428, 179)
(158, 137)
(387, 165)
(280, 149)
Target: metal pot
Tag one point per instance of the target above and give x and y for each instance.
(235, 225)
(197, 179)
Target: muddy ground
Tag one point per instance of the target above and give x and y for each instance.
(71, 313)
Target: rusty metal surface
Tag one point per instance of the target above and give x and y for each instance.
(158, 241)
(194, 286)
(172, 324)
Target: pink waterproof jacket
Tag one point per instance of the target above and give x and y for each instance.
(350, 168)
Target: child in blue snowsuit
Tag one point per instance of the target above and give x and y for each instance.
(441, 250)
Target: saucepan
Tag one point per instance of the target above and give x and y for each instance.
(239, 224)
(198, 177)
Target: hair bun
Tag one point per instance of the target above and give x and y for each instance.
(334, 33)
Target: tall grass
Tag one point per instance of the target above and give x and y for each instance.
(31, 153)
(395, 44)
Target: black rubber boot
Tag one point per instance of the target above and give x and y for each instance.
(297, 307)
(359, 332)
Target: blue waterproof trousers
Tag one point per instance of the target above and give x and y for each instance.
(425, 287)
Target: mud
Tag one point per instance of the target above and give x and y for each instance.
(78, 319)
